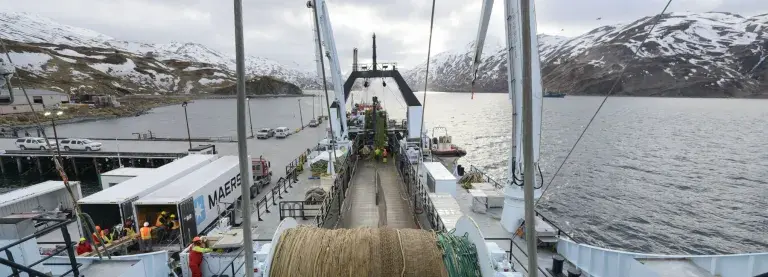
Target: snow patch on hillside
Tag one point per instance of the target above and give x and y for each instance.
(30, 61)
(124, 69)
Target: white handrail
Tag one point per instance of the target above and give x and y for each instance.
(601, 262)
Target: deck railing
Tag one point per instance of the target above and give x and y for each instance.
(292, 171)
(489, 179)
(30, 270)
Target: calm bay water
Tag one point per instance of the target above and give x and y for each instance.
(662, 175)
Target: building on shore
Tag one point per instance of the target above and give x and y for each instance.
(41, 99)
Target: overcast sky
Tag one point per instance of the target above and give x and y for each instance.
(281, 29)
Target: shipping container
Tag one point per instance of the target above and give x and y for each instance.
(439, 179)
(197, 199)
(114, 205)
(45, 196)
(113, 177)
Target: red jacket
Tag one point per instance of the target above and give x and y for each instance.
(84, 247)
(196, 255)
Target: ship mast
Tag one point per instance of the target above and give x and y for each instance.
(529, 179)
(525, 93)
(242, 142)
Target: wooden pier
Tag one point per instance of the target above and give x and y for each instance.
(22, 162)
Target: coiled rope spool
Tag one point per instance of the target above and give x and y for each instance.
(311, 251)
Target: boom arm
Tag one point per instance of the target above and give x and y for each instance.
(482, 30)
(329, 42)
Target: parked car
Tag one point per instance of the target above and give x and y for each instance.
(313, 123)
(79, 144)
(265, 133)
(282, 132)
(34, 143)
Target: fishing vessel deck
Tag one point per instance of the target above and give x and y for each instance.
(377, 198)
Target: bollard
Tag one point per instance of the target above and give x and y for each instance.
(574, 272)
(557, 264)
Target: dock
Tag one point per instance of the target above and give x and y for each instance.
(144, 154)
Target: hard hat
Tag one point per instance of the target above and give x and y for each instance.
(82, 239)
(196, 239)
(162, 213)
(173, 216)
(98, 228)
(146, 224)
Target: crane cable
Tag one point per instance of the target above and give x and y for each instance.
(424, 101)
(55, 156)
(613, 88)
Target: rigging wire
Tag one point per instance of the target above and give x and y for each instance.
(314, 9)
(613, 87)
(395, 96)
(426, 81)
(55, 156)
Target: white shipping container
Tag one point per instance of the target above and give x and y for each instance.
(113, 177)
(196, 199)
(45, 196)
(114, 205)
(439, 179)
(447, 208)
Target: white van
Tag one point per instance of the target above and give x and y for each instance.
(282, 132)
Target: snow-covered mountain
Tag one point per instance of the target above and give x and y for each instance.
(74, 59)
(688, 54)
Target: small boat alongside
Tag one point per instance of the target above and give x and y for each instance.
(442, 149)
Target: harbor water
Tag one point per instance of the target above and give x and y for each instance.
(663, 175)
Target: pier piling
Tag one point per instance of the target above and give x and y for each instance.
(39, 166)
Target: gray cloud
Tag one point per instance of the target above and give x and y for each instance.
(281, 30)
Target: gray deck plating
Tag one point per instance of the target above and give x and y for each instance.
(363, 211)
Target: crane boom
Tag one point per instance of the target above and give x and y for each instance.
(326, 35)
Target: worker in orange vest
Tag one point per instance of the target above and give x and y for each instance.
(146, 238)
(196, 256)
(106, 236)
(96, 235)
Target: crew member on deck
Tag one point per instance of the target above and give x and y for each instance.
(384, 155)
(106, 236)
(160, 224)
(146, 238)
(196, 256)
(83, 247)
(96, 235)
(128, 229)
(173, 226)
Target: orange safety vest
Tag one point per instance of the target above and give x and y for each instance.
(146, 233)
(385, 153)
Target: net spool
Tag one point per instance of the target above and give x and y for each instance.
(311, 251)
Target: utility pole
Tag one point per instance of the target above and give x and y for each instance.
(301, 117)
(250, 118)
(189, 135)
